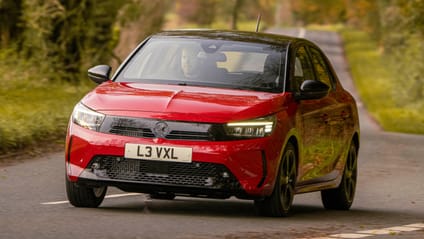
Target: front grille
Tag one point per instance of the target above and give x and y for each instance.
(132, 132)
(188, 135)
(173, 130)
(195, 174)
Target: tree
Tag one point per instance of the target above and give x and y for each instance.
(318, 12)
(235, 13)
(10, 13)
(200, 12)
(65, 37)
(402, 39)
(137, 20)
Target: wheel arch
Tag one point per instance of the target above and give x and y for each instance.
(292, 137)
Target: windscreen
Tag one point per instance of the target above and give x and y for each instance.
(206, 62)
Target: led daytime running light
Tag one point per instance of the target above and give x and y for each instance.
(252, 128)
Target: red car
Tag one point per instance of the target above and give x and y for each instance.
(216, 114)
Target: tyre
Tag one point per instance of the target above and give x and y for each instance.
(281, 199)
(341, 198)
(82, 196)
(163, 196)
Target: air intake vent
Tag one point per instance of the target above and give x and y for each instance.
(195, 174)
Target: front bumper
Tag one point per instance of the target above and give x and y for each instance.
(242, 168)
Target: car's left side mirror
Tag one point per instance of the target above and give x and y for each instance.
(100, 73)
(312, 89)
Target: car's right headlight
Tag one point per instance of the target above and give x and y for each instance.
(86, 117)
(254, 128)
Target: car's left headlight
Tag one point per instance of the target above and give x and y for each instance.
(86, 117)
(254, 128)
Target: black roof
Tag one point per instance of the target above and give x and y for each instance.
(256, 37)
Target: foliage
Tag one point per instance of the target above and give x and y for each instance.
(365, 15)
(397, 27)
(64, 38)
(33, 110)
(71, 34)
(207, 13)
(201, 12)
(10, 13)
(136, 20)
(320, 12)
(376, 83)
(403, 43)
(42, 70)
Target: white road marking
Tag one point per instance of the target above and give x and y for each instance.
(122, 195)
(108, 196)
(302, 32)
(420, 225)
(390, 230)
(349, 235)
(375, 232)
(54, 203)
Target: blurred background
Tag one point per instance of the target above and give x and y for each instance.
(46, 47)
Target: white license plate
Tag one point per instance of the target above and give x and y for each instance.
(160, 153)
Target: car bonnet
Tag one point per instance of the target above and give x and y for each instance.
(182, 103)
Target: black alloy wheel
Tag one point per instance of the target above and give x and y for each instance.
(280, 201)
(82, 196)
(341, 198)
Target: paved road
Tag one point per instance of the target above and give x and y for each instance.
(389, 201)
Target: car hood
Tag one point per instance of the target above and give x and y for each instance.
(186, 103)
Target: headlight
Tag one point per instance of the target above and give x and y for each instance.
(87, 118)
(255, 128)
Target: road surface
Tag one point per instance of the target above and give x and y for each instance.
(389, 202)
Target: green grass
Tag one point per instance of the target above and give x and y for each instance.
(33, 110)
(375, 80)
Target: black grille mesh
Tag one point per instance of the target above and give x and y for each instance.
(145, 128)
(176, 134)
(195, 174)
(132, 132)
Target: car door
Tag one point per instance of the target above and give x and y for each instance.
(339, 114)
(314, 118)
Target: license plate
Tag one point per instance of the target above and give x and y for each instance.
(159, 153)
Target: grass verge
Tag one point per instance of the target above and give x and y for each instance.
(375, 80)
(34, 112)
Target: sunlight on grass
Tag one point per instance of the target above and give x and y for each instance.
(33, 109)
(375, 80)
(33, 114)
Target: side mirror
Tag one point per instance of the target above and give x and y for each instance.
(312, 89)
(100, 73)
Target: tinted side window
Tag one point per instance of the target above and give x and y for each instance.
(302, 68)
(321, 69)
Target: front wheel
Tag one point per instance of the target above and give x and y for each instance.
(341, 198)
(82, 196)
(281, 199)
